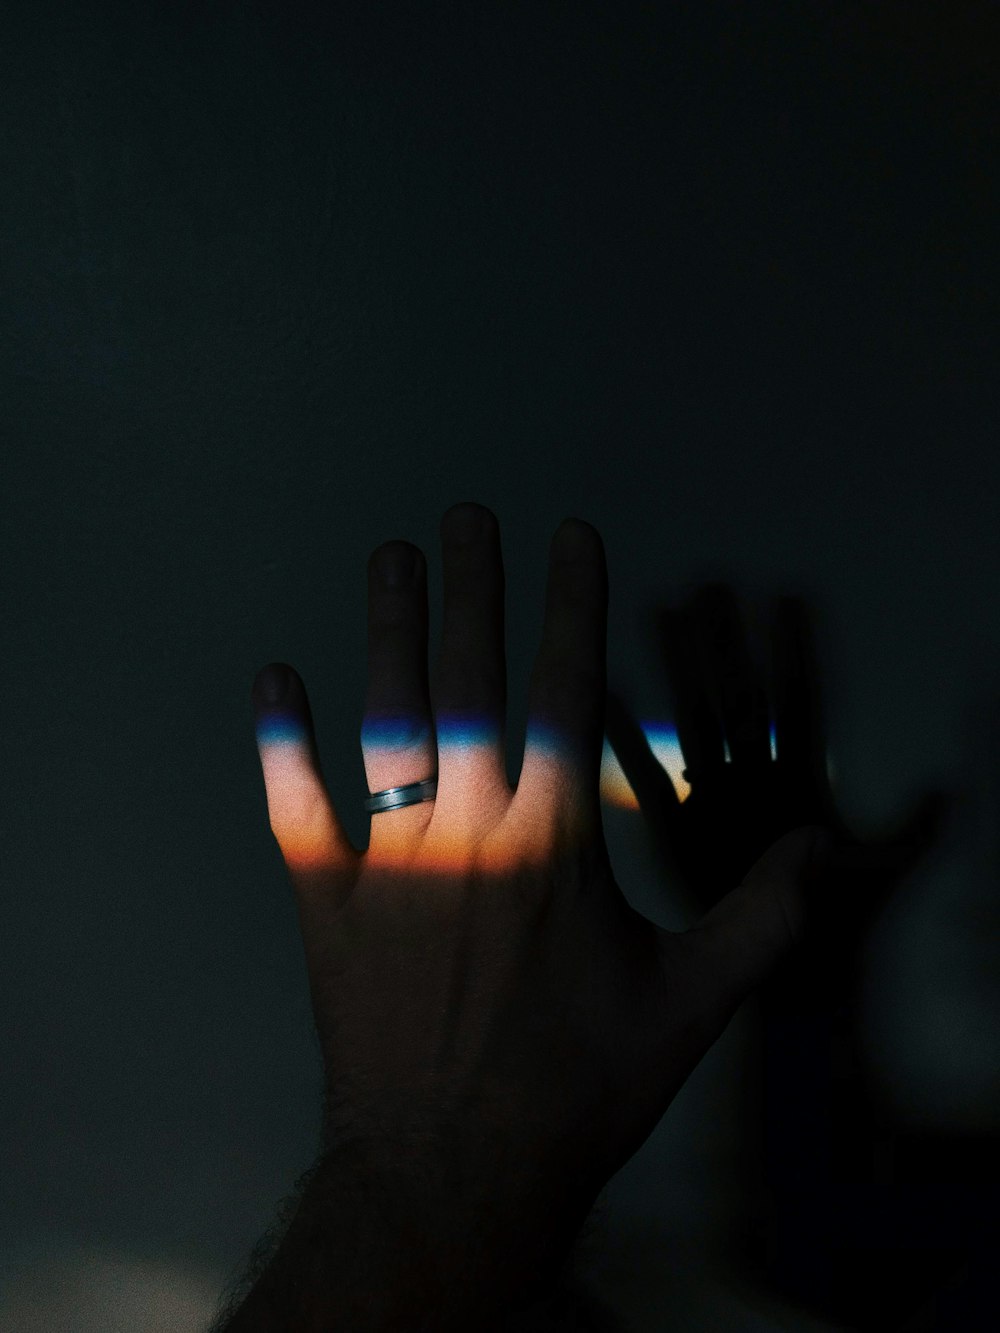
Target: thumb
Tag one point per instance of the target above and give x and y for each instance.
(922, 828)
(749, 931)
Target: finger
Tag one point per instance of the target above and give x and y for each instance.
(470, 688)
(741, 940)
(397, 731)
(799, 729)
(313, 842)
(918, 833)
(650, 783)
(560, 776)
(732, 676)
(699, 729)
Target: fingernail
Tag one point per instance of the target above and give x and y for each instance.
(273, 683)
(573, 539)
(396, 565)
(465, 522)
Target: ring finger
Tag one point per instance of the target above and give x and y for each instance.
(732, 675)
(397, 733)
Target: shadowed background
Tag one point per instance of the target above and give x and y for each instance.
(281, 283)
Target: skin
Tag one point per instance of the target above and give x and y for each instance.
(483, 993)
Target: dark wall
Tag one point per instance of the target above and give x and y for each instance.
(281, 282)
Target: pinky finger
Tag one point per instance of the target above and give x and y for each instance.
(313, 842)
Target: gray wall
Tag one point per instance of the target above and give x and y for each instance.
(279, 285)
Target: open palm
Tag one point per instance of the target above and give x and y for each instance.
(739, 807)
(811, 1155)
(480, 984)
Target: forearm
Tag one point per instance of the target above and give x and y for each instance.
(375, 1248)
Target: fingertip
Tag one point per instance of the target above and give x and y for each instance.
(467, 520)
(396, 564)
(576, 537)
(302, 817)
(273, 684)
(281, 709)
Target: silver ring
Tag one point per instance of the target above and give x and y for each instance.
(395, 797)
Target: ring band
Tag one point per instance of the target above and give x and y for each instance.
(395, 797)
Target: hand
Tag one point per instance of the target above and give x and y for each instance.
(735, 809)
(815, 1155)
(485, 998)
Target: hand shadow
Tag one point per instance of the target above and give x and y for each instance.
(832, 1225)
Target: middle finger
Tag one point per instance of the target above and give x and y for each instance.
(729, 666)
(470, 686)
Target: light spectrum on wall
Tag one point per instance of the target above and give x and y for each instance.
(662, 738)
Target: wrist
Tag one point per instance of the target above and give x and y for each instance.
(423, 1239)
